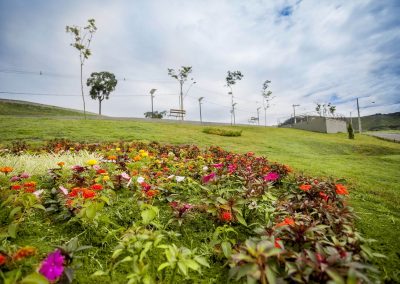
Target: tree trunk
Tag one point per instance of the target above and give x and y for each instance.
(83, 95)
(100, 107)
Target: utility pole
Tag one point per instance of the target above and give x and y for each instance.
(351, 119)
(233, 113)
(294, 112)
(201, 119)
(230, 93)
(359, 118)
(258, 115)
(152, 91)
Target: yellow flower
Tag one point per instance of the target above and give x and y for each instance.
(91, 162)
(117, 149)
(141, 151)
(144, 154)
(71, 149)
(106, 178)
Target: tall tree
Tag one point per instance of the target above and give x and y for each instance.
(181, 76)
(101, 85)
(82, 40)
(231, 79)
(267, 97)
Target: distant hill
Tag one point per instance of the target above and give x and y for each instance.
(379, 121)
(24, 108)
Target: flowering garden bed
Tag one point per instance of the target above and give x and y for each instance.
(152, 213)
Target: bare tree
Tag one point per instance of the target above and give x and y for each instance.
(267, 97)
(82, 39)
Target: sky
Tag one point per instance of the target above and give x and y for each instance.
(311, 51)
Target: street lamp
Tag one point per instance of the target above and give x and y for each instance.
(359, 117)
(258, 115)
(201, 119)
(233, 113)
(152, 91)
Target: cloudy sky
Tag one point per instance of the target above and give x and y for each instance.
(312, 51)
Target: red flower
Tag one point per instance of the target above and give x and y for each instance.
(305, 187)
(226, 216)
(87, 193)
(324, 196)
(16, 187)
(3, 259)
(286, 222)
(209, 177)
(276, 244)
(30, 184)
(341, 189)
(96, 186)
(145, 186)
(101, 171)
(24, 252)
(74, 192)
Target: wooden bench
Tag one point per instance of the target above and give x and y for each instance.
(253, 120)
(177, 113)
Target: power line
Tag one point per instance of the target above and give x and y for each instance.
(72, 95)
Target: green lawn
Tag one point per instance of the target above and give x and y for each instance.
(371, 166)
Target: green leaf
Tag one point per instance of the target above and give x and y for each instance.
(201, 260)
(192, 264)
(91, 211)
(163, 265)
(183, 268)
(270, 276)
(127, 259)
(226, 248)
(241, 220)
(99, 273)
(335, 276)
(148, 216)
(34, 278)
(12, 230)
(14, 211)
(39, 206)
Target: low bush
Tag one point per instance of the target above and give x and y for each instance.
(222, 132)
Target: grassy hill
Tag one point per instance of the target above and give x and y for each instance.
(23, 108)
(370, 165)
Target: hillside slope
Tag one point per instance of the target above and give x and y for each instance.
(24, 108)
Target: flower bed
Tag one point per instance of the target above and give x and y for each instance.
(152, 213)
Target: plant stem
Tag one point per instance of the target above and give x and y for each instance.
(173, 274)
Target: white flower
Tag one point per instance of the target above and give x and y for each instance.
(179, 178)
(64, 190)
(37, 193)
(205, 168)
(171, 177)
(140, 179)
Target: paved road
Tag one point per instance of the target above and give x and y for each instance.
(387, 136)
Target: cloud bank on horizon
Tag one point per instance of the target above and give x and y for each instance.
(312, 51)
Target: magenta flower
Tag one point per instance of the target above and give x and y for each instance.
(25, 175)
(218, 166)
(232, 168)
(271, 176)
(209, 177)
(15, 178)
(52, 266)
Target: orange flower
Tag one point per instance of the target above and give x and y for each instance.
(87, 193)
(112, 158)
(61, 164)
(96, 186)
(341, 189)
(74, 192)
(286, 222)
(101, 171)
(6, 170)
(16, 187)
(24, 252)
(150, 193)
(3, 259)
(137, 158)
(226, 216)
(305, 187)
(30, 184)
(287, 168)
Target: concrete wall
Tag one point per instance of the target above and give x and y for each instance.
(320, 124)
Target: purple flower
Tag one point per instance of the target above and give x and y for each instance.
(271, 176)
(78, 168)
(25, 175)
(15, 178)
(208, 178)
(52, 266)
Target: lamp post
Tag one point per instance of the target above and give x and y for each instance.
(231, 94)
(294, 112)
(258, 115)
(233, 113)
(201, 119)
(359, 117)
(152, 91)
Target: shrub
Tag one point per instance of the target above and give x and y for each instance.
(222, 132)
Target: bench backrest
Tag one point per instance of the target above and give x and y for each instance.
(177, 111)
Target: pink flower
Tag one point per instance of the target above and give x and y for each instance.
(271, 176)
(64, 190)
(53, 266)
(232, 168)
(209, 177)
(125, 176)
(25, 175)
(96, 167)
(218, 166)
